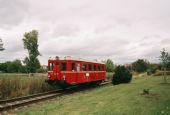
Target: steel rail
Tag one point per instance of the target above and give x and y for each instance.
(27, 97)
(8, 104)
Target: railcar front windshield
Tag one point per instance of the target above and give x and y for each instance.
(51, 66)
(62, 66)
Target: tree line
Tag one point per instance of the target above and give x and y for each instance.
(123, 74)
(31, 63)
(140, 65)
(143, 65)
(17, 66)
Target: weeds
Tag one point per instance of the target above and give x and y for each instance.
(11, 87)
(146, 91)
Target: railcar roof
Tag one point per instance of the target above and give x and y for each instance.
(77, 60)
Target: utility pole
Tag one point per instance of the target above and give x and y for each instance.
(1, 45)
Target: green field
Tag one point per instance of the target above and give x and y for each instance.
(124, 99)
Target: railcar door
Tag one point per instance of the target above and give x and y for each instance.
(78, 76)
(72, 76)
(57, 70)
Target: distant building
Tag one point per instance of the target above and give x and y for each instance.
(44, 67)
(128, 66)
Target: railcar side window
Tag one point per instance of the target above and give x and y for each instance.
(90, 67)
(99, 68)
(84, 67)
(50, 67)
(94, 67)
(78, 67)
(102, 67)
(63, 66)
(73, 67)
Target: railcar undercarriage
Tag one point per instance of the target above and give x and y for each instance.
(62, 83)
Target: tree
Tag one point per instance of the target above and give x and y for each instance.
(165, 62)
(30, 41)
(109, 65)
(12, 67)
(140, 65)
(122, 75)
(1, 45)
(4, 66)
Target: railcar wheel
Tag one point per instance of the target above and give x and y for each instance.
(96, 83)
(63, 84)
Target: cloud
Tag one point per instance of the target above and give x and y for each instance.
(123, 30)
(12, 12)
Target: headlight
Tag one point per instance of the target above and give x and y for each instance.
(64, 77)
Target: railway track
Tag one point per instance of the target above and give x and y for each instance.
(9, 104)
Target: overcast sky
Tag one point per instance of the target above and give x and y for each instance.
(122, 30)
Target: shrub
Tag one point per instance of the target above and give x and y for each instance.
(140, 65)
(151, 71)
(41, 70)
(122, 75)
(146, 91)
(152, 68)
(109, 76)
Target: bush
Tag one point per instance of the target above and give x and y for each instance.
(151, 71)
(41, 70)
(13, 67)
(140, 65)
(146, 91)
(109, 76)
(122, 75)
(152, 68)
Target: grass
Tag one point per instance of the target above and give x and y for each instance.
(15, 85)
(109, 76)
(124, 99)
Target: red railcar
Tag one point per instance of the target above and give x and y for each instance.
(71, 72)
